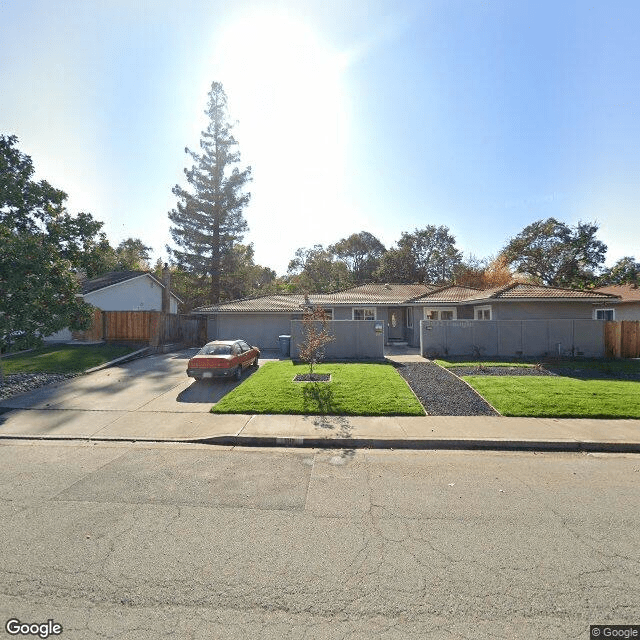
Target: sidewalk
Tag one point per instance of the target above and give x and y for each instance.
(428, 432)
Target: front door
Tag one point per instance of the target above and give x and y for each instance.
(396, 323)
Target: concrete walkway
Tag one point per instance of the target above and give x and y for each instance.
(428, 432)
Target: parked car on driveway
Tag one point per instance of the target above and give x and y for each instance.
(223, 359)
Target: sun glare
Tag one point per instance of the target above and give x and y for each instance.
(284, 88)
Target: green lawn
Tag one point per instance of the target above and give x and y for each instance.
(585, 367)
(559, 397)
(355, 390)
(63, 358)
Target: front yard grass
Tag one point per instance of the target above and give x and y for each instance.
(581, 388)
(361, 389)
(63, 358)
(559, 397)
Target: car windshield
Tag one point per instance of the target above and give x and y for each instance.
(215, 350)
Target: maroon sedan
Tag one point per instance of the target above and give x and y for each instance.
(223, 359)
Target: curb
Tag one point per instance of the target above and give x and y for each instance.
(140, 353)
(570, 446)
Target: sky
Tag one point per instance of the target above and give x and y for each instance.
(374, 115)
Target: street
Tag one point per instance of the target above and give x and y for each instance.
(139, 541)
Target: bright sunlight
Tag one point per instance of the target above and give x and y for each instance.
(284, 88)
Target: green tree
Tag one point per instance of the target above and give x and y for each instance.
(207, 221)
(361, 252)
(132, 255)
(81, 241)
(315, 270)
(625, 271)
(38, 286)
(243, 276)
(556, 254)
(426, 255)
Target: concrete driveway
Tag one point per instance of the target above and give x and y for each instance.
(130, 398)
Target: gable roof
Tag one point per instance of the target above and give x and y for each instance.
(371, 294)
(628, 292)
(451, 293)
(117, 277)
(393, 294)
(108, 279)
(523, 291)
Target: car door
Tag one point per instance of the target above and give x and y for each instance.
(245, 353)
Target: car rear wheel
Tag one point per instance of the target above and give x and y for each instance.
(238, 374)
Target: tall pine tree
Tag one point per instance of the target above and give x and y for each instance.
(208, 221)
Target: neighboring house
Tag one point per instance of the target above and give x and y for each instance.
(123, 291)
(400, 307)
(628, 308)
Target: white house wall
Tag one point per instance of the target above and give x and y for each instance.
(138, 294)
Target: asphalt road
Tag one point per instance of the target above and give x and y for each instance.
(187, 541)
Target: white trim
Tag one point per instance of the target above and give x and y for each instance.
(484, 307)
(374, 309)
(595, 313)
(438, 311)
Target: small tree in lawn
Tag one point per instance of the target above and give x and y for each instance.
(315, 331)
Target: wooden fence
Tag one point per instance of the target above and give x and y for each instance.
(151, 327)
(622, 339)
(94, 333)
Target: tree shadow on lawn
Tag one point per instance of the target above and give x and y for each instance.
(318, 398)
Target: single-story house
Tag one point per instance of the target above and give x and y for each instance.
(400, 307)
(628, 308)
(123, 291)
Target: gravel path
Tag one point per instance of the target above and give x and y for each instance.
(441, 393)
(17, 383)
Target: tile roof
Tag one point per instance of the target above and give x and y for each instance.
(376, 293)
(627, 292)
(391, 294)
(453, 293)
(363, 294)
(522, 291)
(283, 302)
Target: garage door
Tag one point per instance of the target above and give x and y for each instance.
(261, 330)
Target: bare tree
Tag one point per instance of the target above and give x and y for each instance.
(315, 331)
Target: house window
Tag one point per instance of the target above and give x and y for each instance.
(329, 314)
(448, 313)
(409, 318)
(364, 314)
(604, 314)
(482, 313)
